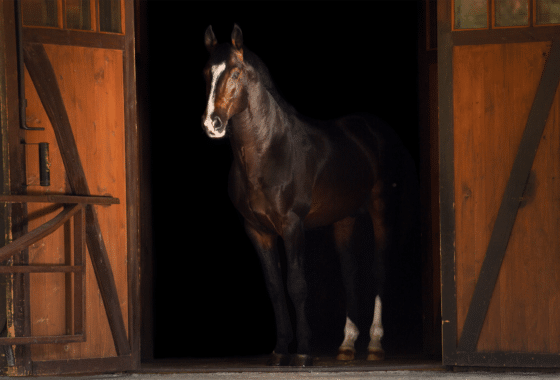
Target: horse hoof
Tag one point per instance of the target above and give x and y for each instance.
(302, 361)
(278, 360)
(346, 354)
(375, 354)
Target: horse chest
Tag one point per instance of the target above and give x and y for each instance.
(261, 205)
(255, 207)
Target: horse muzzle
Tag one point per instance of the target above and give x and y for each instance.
(215, 128)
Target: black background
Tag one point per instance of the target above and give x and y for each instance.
(328, 59)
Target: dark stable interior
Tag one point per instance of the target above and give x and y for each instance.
(327, 59)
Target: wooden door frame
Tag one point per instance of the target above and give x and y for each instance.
(464, 353)
(428, 173)
(16, 178)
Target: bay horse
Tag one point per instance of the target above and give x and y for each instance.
(291, 173)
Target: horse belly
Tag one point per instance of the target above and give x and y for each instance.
(331, 205)
(343, 186)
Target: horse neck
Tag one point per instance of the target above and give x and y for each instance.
(258, 127)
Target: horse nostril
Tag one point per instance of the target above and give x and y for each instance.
(217, 123)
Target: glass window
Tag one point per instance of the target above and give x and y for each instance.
(78, 14)
(110, 16)
(471, 14)
(512, 12)
(548, 12)
(39, 12)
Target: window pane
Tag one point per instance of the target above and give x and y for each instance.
(78, 14)
(470, 14)
(548, 12)
(39, 12)
(512, 12)
(110, 16)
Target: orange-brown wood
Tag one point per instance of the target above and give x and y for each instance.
(91, 83)
(494, 89)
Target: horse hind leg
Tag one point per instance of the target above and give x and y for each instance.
(375, 350)
(381, 231)
(343, 231)
(346, 351)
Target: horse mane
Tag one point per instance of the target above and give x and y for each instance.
(264, 75)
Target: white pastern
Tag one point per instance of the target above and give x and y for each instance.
(217, 71)
(350, 335)
(376, 330)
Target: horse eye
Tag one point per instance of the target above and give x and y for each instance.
(235, 75)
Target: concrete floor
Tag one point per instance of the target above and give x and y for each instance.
(377, 375)
(325, 368)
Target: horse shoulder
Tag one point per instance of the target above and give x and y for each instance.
(257, 202)
(237, 189)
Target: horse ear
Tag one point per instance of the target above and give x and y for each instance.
(237, 37)
(210, 39)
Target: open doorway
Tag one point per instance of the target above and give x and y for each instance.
(328, 60)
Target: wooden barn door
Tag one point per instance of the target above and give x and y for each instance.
(499, 115)
(76, 146)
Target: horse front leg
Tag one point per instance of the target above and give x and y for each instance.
(294, 242)
(265, 244)
(343, 231)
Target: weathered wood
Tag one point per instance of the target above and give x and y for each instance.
(54, 339)
(67, 199)
(487, 83)
(505, 35)
(446, 181)
(507, 212)
(73, 38)
(78, 269)
(90, 81)
(14, 166)
(135, 237)
(80, 285)
(41, 269)
(45, 82)
(43, 77)
(96, 365)
(37, 234)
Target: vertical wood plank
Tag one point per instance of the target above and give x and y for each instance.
(14, 167)
(80, 278)
(134, 189)
(446, 182)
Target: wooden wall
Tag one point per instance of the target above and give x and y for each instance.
(497, 86)
(91, 83)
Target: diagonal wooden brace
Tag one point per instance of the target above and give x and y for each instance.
(43, 76)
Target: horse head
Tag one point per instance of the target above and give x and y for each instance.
(226, 82)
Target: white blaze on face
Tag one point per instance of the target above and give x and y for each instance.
(217, 71)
